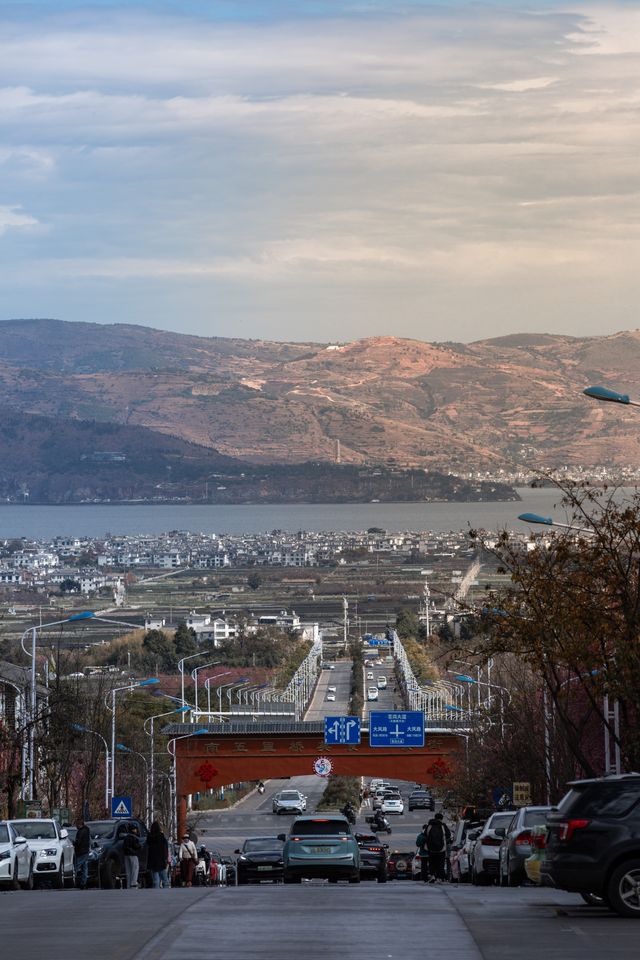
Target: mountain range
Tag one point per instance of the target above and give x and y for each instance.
(109, 390)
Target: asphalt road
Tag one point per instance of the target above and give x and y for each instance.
(403, 920)
(340, 678)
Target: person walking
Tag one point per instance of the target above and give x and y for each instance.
(421, 844)
(82, 847)
(437, 837)
(158, 857)
(130, 851)
(188, 859)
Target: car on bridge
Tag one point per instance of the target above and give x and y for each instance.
(321, 847)
(372, 693)
(289, 801)
(421, 800)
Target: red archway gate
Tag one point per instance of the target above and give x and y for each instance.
(236, 752)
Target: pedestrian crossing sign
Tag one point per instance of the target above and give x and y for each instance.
(121, 806)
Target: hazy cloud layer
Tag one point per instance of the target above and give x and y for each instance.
(446, 172)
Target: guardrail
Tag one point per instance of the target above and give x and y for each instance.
(441, 701)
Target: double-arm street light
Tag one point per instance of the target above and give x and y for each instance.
(150, 733)
(129, 686)
(181, 663)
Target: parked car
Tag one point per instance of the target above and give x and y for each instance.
(399, 864)
(321, 847)
(462, 850)
(515, 844)
(391, 803)
(259, 859)
(53, 853)
(289, 801)
(16, 859)
(421, 800)
(485, 858)
(373, 857)
(106, 860)
(593, 842)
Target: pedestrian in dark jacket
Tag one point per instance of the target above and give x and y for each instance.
(421, 843)
(158, 856)
(131, 847)
(82, 848)
(437, 837)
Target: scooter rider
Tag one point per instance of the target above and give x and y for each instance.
(261, 787)
(349, 812)
(379, 820)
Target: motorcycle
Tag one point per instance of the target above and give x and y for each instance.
(349, 813)
(379, 825)
(261, 788)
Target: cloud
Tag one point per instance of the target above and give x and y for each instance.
(12, 218)
(430, 154)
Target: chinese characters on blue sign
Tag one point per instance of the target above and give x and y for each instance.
(401, 728)
(341, 730)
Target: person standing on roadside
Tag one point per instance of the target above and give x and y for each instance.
(82, 847)
(188, 859)
(437, 836)
(421, 843)
(130, 851)
(158, 857)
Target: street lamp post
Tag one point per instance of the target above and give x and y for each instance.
(174, 773)
(207, 686)
(129, 686)
(194, 676)
(181, 664)
(75, 618)
(82, 729)
(124, 749)
(150, 734)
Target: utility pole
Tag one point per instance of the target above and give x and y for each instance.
(345, 609)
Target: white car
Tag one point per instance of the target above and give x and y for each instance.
(382, 683)
(392, 805)
(370, 675)
(289, 801)
(372, 693)
(16, 860)
(53, 853)
(331, 697)
(331, 689)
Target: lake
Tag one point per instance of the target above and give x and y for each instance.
(96, 520)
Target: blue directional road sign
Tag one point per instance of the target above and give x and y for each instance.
(121, 806)
(401, 728)
(377, 641)
(341, 730)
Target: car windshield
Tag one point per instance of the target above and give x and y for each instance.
(262, 843)
(289, 795)
(100, 829)
(310, 828)
(4, 833)
(36, 830)
(499, 820)
(534, 818)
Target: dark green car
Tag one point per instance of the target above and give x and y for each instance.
(321, 847)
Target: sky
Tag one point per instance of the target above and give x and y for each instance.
(322, 170)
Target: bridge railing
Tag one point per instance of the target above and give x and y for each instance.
(302, 684)
(441, 702)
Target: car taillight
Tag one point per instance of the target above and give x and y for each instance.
(374, 849)
(567, 828)
(392, 863)
(524, 838)
(491, 841)
(418, 857)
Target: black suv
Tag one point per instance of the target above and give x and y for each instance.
(373, 857)
(106, 860)
(593, 842)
